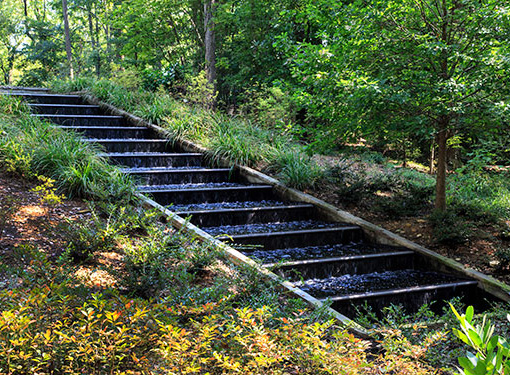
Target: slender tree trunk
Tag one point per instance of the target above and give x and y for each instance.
(25, 8)
(67, 39)
(10, 66)
(210, 47)
(404, 154)
(98, 48)
(177, 38)
(94, 43)
(440, 203)
(432, 157)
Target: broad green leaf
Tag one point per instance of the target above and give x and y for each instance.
(469, 313)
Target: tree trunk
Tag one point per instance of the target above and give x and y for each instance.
(98, 47)
(210, 47)
(94, 42)
(67, 39)
(440, 203)
(432, 157)
(404, 154)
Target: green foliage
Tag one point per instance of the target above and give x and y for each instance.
(236, 144)
(12, 105)
(47, 192)
(48, 329)
(94, 234)
(491, 352)
(149, 264)
(156, 110)
(482, 196)
(449, 228)
(296, 169)
(269, 107)
(199, 91)
(31, 147)
(393, 192)
(165, 78)
(128, 78)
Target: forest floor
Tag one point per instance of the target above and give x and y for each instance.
(479, 252)
(26, 221)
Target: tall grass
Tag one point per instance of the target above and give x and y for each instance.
(239, 140)
(31, 147)
(481, 196)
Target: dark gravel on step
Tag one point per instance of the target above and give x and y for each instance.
(318, 252)
(224, 205)
(149, 169)
(377, 281)
(268, 227)
(189, 186)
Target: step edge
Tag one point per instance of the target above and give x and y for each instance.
(292, 232)
(102, 117)
(247, 209)
(147, 154)
(386, 292)
(264, 187)
(338, 259)
(176, 171)
(63, 105)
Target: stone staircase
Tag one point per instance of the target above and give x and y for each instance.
(329, 260)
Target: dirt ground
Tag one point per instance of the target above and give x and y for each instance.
(26, 220)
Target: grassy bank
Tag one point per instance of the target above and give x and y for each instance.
(30, 147)
(237, 139)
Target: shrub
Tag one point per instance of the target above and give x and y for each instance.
(199, 91)
(269, 107)
(12, 105)
(295, 168)
(47, 330)
(153, 79)
(483, 197)
(128, 78)
(449, 228)
(491, 352)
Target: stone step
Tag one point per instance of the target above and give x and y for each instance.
(46, 98)
(411, 298)
(132, 132)
(335, 266)
(21, 90)
(252, 215)
(208, 193)
(133, 145)
(163, 176)
(287, 239)
(155, 159)
(64, 109)
(84, 120)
